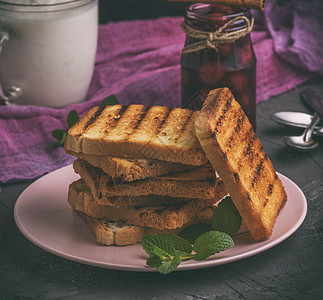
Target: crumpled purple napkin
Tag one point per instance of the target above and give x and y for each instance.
(139, 62)
(296, 27)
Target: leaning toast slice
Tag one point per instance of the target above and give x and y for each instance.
(228, 139)
(136, 131)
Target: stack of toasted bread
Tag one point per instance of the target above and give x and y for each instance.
(142, 171)
(152, 170)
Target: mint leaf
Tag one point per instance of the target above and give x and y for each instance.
(192, 232)
(153, 261)
(170, 265)
(59, 135)
(166, 251)
(72, 118)
(110, 100)
(179, 244)
(152, 241)
(162, 254)
(210, 243)
(226, 217)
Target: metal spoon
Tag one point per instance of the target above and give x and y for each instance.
(304, 141)
(296, 119)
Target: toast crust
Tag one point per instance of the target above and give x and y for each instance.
(131, 169)
(198, 183)
(160, 217)
(113, 233)
(237, 154)
(138, 132)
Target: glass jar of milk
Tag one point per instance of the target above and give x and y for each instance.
(47, 50)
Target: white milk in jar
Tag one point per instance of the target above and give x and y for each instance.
(48, 50)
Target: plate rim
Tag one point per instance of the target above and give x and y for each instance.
(183, 266)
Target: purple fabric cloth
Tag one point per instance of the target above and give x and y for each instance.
(139, 62)
(296, 27)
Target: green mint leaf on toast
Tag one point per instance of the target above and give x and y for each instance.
(72, 118)
(210, 243)
(192, 232)
(110, 100)
(226, 217)
(169, 265)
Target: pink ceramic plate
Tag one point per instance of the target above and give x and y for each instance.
(43, 215)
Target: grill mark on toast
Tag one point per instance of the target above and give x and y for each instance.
(164, 120)
(137, 124)
(188, 119)
(265, 202)
(116, 119)
(224, 111)
(259, 171)
(177, 128)
(124, 127)
(252, 137)
(239, 125)
(92, 119)
(270, 189)
(248, 152)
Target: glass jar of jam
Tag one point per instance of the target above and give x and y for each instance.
(218, 53)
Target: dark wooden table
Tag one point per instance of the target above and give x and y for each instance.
(290, 270)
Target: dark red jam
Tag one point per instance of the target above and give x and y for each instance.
(231, 65)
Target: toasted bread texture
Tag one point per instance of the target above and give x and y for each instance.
(119, 234)
(138, 132)
(160, 217)
(228, 139)
(198, 183)
(129, 169)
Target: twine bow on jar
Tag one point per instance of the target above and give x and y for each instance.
(211, 40)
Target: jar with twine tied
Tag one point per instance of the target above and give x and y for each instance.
(218, 53)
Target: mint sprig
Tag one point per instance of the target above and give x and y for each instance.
(210, 243)
(167, 253)
(199, 241)
(226, 218)
(60, 134)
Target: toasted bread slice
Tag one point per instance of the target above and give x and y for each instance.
(228, 139)
(131, 169)
(198, 183)
(160, 217)
(119, 234)
(135, 131)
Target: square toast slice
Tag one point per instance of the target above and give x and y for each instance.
(120, 234)
(160, 217)
(135, 131)
(129, 169)
(198, 183)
